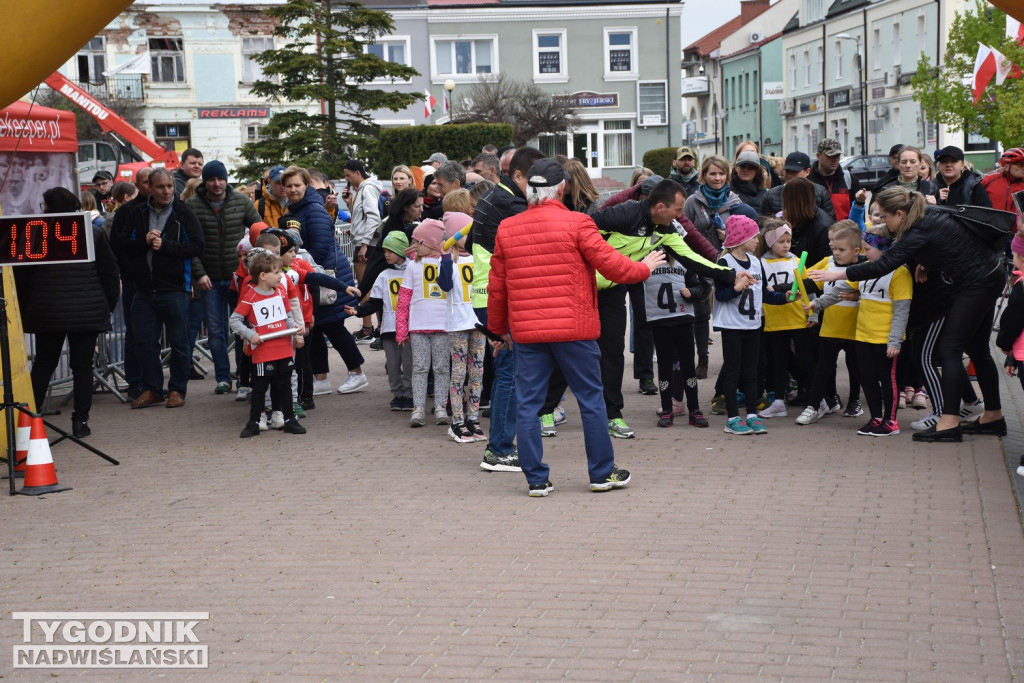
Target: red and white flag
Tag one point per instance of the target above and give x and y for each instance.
(984, 71)
(1014, 30)
(428, 104)
(1004, 67)
(447, 104)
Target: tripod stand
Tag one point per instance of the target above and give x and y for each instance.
(9, 407)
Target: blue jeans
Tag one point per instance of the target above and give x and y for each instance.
(152, 311)
(216, 309)
(580, 362)
(502, 433)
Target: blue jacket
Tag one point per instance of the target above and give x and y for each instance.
(318, 238)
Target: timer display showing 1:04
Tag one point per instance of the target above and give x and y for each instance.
(45, 238)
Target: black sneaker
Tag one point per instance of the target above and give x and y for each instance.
(853, 409)
(292, 426)
(648, 387)
(251, 429)
(616, 480)
(307, 403)
(501, 463)
(363, 335)
(541, 490)
(460, 434)
(376, 344)
(665, 420)
(485, 411)
(407, 404)
(396, 403)
(869, 428)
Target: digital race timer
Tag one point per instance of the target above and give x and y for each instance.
(45, 238)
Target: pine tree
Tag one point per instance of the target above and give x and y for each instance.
(322, 59)
(945, 93)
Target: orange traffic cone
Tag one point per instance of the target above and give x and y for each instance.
(21, 444)
(40, 475)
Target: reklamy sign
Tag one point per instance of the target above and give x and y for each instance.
(580, 100)
(234, 113)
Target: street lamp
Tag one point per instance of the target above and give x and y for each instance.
(449, 86)
(863, 91)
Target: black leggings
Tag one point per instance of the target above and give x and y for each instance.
(278, 376)
(968, 328)
(739, 369)
(677, 373)
(825, 369)
(778, 346)
(878, 380)
(924, 346)
(81, 349)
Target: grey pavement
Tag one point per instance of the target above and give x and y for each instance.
(368, 549)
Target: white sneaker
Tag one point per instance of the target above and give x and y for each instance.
(559, 414)
(263, 422)
(243, 394)
(354, 383)
(929, 420)
(971, 412)
(811, 415)
(322, 387)
(776, 409)
(277, 420)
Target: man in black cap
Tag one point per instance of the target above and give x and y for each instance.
(957, 185)
(548, 248)
(841, 186)
(798, 165)
(103, 182)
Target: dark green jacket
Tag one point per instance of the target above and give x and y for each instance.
(223, 231)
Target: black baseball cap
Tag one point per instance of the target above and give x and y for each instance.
(950, 151)
(546, 172)
(797, 161)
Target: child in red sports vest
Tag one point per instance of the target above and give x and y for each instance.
(262, 311)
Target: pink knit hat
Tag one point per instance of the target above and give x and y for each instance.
(739, 229)
(431, 233)
(1017, 245)
(454, 221)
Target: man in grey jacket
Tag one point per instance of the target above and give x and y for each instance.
(225, 216)
(362, 196)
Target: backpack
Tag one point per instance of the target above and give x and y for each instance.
(992, 227)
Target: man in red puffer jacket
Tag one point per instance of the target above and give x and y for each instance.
(543, 294)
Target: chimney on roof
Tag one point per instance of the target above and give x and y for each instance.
(749, 9)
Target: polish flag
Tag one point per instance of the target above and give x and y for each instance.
(1014, 30)
(1004, 67)
(984, 71)
(447, 104)
(428, 103)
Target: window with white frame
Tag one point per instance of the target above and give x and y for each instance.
(620, 55)
(618, 143)
(807, 67)
(792, 70)
(820, 63)
(897, 43)
(394, 49)
(704, 117)
(652, 103)
(549, 55)
(839, 59)
(876, 48)
(922, 31)
(252, 71)
(92, 61)
(463, 58)
(254, 132)
(167, 60)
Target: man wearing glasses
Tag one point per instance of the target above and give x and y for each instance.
(450, 176)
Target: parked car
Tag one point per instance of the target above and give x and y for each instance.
(867, 169)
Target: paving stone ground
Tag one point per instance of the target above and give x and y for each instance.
(368, 549)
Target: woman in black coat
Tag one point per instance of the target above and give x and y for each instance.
(809, 223)
(70, 302)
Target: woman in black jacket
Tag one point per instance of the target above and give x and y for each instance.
(749, 179)
(909, 162)
(809, 223)
(69, 301)
(943, 247)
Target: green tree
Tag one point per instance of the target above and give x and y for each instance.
(323, 60)
(945, 93)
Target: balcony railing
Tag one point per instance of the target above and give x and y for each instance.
(120, 87)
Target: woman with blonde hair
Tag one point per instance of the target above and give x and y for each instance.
(640, 175)
(401, 178)
(580, 193)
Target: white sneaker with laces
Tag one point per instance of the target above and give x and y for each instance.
(243, 394)
(322, 387)
(776, 409)
(277, 420)
(354, 383)
(929, 420)
(263, 422)
(559, 414)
